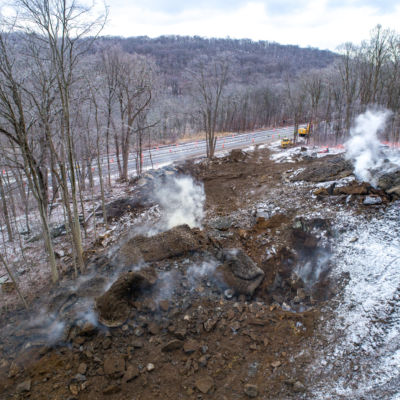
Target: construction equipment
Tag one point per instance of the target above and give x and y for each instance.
(285, 142)
(304, 132)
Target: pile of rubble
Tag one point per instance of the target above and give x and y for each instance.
(221, 311)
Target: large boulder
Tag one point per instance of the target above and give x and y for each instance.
(172, 243)
(389, 181)
(240, 272)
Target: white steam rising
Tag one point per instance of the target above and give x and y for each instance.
(168, 282)
(181, 201)
(197, 272)
(310, 272)
(363, 148)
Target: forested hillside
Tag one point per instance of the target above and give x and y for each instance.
(254, 60)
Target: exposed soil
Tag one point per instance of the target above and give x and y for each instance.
(221, 312)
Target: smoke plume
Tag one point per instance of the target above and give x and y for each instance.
(363, 148)
(181, 201)
(197, 272)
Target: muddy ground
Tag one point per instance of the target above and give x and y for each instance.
(223, 311)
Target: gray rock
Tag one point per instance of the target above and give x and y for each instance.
(240, 272)
(221, 223)
(138, 332)
(228, 293)
(389, 180)
(298, 387)
(80, 378)
(372, 200)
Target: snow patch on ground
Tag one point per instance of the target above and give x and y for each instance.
(291, 154)
(339, 183)
(361, 359)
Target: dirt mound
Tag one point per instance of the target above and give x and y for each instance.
(237, 155)
(173, 243)
(328, 169)
(115, 305)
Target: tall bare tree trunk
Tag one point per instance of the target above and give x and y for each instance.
(5, 211)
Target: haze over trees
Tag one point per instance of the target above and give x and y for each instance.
(71, 102)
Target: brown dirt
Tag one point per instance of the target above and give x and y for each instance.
(190, 341)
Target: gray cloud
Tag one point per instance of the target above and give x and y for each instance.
(383, 6)
(278, 8)
(273, 7)
(177, 6)
(173, 7)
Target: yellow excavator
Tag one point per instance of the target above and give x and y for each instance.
(285, 142)
(304, 132)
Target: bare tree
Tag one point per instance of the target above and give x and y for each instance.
(209, 77)
(108, 66)
(63, 27)
(349, 75)
(314, 85)
(14, 125)
(296, 97)
(133, 77)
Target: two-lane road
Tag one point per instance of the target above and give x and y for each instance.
(162, 155)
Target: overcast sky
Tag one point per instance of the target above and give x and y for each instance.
(317, 23)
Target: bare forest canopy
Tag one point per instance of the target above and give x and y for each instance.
(253, 61)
